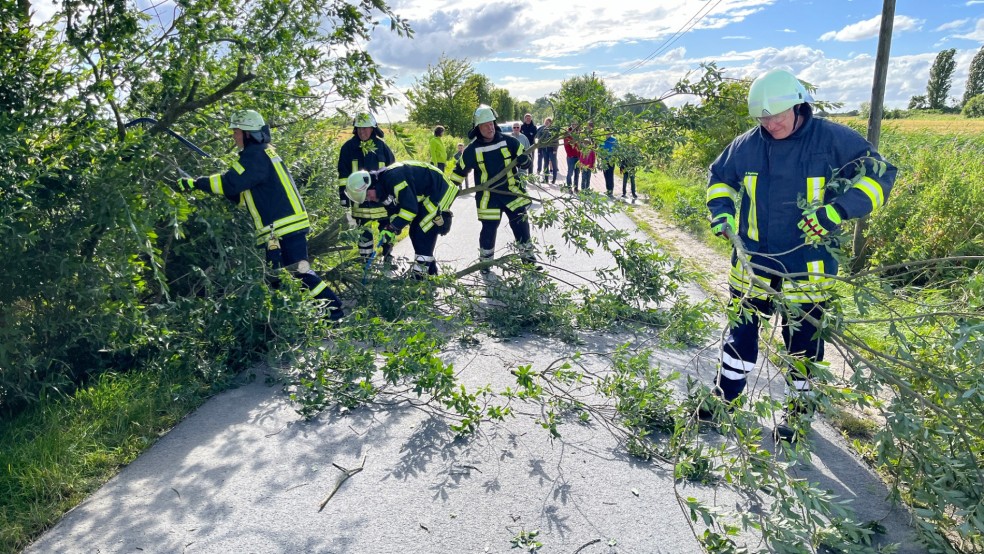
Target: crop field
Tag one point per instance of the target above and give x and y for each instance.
(940, 124)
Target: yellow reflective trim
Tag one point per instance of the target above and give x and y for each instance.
(448, 198)
(815, 270)
(378, 212)
(427, 222)
(873, 190)
(285, 181)
(406, 214)
(215, 183)
(816, 289)
(721, 190)
(238, 167)
(518, 203)
(490, 213)
(398, 187)
(480, 160)
(246, 200)
(283, 226)
(814, 188)
(751, 186)
(316, 290)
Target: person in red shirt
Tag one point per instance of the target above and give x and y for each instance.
(573, 155)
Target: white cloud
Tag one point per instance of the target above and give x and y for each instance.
(953, 24)
(869, 29)
(552, 40)
(977, 33)
(42, 11)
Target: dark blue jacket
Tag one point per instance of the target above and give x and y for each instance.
(370, 155)
(821, 163)
(414, 191)
(259, 181)
(488, 159)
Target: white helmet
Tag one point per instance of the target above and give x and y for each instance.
(364, 120)
(247, 120)
(357, 185)
(484, 114)
(775, 92)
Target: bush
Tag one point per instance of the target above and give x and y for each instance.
(974, 107)
(933, 210)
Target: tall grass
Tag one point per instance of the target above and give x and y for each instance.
(60, 450)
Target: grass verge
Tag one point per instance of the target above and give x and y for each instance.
(53, 456)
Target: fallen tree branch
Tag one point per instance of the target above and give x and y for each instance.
(346, 473)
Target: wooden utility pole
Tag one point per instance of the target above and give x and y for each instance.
(875, 118)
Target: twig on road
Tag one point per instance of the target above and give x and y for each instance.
(346, 473)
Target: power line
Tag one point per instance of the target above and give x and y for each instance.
(686, 27)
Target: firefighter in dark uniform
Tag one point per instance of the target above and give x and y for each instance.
(259, 181)
(488, 154)
(365, 150)
(419, 196)
(788, 158)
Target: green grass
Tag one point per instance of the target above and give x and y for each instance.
(54, 455)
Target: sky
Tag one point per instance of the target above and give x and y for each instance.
(646, 46)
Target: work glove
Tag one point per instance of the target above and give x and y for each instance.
(817, 224)
(723, 225)
(186, 184)
(387, 235)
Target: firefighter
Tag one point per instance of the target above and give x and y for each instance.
(259, 181)
(489, 153)
(788, 158)
(419, 195)
(365, 150)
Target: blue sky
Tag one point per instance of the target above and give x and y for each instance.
(645, 46)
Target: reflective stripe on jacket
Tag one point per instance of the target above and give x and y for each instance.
(415, 191)
(488, 159)
(370, 155)
(769, 179)
(259, 181)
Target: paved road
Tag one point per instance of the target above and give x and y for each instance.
(245, 473)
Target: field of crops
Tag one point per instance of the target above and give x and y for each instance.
(942, 124)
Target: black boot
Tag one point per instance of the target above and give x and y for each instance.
(793, 424)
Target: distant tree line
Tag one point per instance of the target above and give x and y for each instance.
(448, 92)
(940, 81)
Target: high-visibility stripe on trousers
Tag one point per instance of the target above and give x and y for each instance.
(740, 352)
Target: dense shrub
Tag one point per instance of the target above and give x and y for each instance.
(934, 210)
(974, 107)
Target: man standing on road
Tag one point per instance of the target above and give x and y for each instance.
(518, 135)
(365, 150)
(421, 197)
(789, 170)
(528, 128)
(259, 181)
(489, 154)
(546, 138)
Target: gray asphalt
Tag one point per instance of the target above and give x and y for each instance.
(245, 473)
